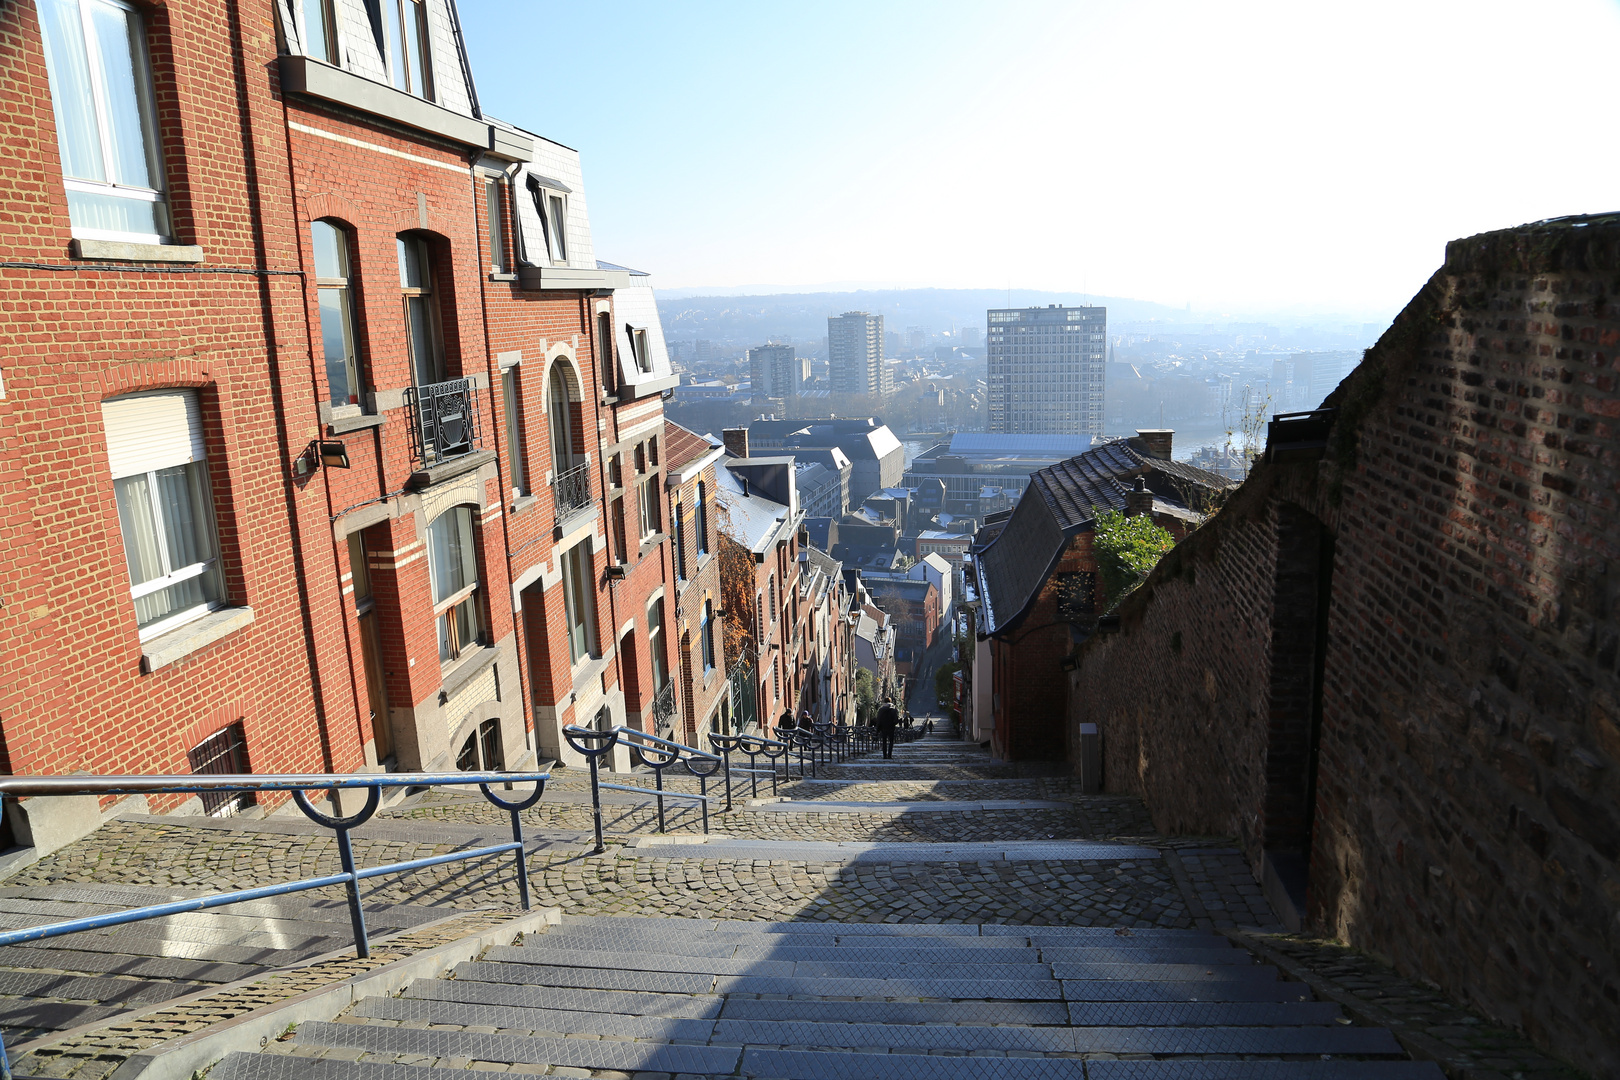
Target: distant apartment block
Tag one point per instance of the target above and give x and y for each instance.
(775, 372)
(1045, 369)
(855, 354)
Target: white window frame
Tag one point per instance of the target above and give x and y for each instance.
(344, 286)
(511, 392)
(174, 575)
(579, 598)
(333, 45)
(149, 127)
(500, 248)
(415, 41)
(553, 229)
(640, 349)
(445, 609)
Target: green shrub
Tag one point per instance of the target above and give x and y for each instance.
(1126, 548)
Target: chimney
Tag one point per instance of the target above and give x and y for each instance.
(1138, 500)
(736, 440)
(1156, 441)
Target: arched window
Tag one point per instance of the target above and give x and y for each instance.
(559, 406)
(453, 572)
(335, 299)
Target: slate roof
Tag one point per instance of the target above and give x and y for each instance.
(754, 518)
(1062, 500)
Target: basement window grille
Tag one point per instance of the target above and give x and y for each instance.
(222, 753)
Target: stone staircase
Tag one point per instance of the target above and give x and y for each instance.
(823, 1001)
(95, 975)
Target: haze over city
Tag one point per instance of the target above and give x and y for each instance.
(1249, 158)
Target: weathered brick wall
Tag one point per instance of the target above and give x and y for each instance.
(1465, 816)
(74, 332)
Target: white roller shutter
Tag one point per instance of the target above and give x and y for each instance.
(152, 430)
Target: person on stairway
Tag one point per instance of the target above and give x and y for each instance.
(888, 719)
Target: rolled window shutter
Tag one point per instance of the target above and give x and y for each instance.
(153, 430)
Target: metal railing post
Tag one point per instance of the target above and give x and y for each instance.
(515, 809)
(342, 825)
(725, 744)
(574, 734)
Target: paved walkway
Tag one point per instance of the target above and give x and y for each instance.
(940, 837)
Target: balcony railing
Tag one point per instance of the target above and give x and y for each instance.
(571, 491)
(663, 710)
(446, 420)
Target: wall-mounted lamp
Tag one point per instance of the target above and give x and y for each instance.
(615, 572)
(331, 453)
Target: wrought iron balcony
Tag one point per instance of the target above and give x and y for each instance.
(663, 710)
(445, 418)
(571, 492)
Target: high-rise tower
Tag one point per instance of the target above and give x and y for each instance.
(855, 354)
(1046, 369)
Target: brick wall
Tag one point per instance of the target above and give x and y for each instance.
(1426, 614)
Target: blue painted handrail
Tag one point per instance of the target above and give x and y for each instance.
(12, 787)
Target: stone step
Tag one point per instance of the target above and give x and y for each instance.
(523, 1049)
(886, 935)
(150, 967)
(540, 953)
(566, 998)
(811, 1065)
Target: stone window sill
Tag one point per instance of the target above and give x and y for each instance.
(166, 649)
(466, 670)
(519, 505)
(499, 276)
(124, 251)
(343, 425)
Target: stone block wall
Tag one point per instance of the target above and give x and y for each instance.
(1398, 662)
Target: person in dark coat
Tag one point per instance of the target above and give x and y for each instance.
(785, 721)
(888, 719)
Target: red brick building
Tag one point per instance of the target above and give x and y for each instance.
(761, 503)
(1036, 576)
(694, 549)
(327, 442)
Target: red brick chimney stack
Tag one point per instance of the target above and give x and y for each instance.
(736, 440)
(1156, 441)
(1139, 500)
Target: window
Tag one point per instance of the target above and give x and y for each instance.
(421, 322)
(558, 238)
(493, 190)
(604, 346)
(320, 31)
(678, 532)
(514, 432)
(404, 45)
(619, 555)
(773, 597)
(560, 408)
(655, 644)
(453, 572)
(106, 120)
(222, 753)
(706, 636)
(638, 347)
(160, 480)
(702, 519)
(336, 306)
(649, 508)
(616, 470)
(579, 601)
(360, 570)
(652, 451)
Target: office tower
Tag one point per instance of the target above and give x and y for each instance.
(773, 372)
(1046, 369)
(855, 354)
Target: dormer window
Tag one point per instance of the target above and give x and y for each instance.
(551, 207)
(638, 347)
(320, 31)
(404, 41)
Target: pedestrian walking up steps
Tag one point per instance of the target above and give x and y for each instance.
(834, 1001)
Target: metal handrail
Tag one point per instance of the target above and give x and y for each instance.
(12, 787)
(603, 741)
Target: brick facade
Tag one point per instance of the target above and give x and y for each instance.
(1392, 672)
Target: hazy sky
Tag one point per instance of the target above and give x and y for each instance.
(1238, 155)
